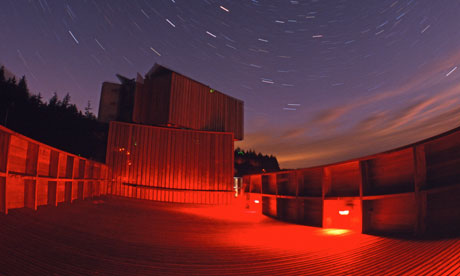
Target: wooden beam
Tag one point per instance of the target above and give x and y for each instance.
(419, 185)
(296, 180)
(363, 186)
(3, 189)
(326, 182)
(30, 186)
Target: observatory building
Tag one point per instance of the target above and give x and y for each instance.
(170, 138)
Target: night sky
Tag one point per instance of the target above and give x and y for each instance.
(322, 80)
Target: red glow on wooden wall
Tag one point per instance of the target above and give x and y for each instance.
(343, 214)
(173, 165)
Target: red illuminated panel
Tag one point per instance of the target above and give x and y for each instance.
(342, 214)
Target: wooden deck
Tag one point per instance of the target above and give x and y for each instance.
(118, 236)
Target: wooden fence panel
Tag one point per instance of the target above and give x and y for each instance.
(33, 174)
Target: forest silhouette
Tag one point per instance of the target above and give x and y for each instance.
(57, 123)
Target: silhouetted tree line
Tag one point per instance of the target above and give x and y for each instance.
(57, 123)
(248, 162)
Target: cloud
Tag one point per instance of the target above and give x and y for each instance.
(330, 115)
(379, 131)
(426, 78)
(424, 106)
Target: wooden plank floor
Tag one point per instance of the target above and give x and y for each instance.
(132, 237)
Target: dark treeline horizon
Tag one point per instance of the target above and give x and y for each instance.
(250, 162)
(57, 123)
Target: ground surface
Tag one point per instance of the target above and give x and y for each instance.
(132, 237)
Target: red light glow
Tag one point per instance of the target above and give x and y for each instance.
(342, 214)
(336, 232)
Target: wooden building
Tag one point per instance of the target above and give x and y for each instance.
(109, 102)
(411, 190)
(171, 138)
(117, 100)
(167, 98)
(168, 164)
(33, 174)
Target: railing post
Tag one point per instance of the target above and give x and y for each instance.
(30, 185)
(420, 185)
(363, 186)
(326, 182)
(4, 151)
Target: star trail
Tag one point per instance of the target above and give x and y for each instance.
(322, 81)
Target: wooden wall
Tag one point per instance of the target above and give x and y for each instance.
(34, 174)
(443, 212)
(442, 161)
(172, 165)
(171, 99)
(411, 190)
(197, 106)
(109, 102)
(152, 100)
(390, 215)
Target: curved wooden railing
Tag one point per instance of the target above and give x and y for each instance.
(34, 174)
(413, 189)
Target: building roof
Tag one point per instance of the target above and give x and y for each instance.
(158, 69)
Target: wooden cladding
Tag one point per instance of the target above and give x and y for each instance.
(170, 164)
(152, 100)
(443, 161)
(345, 180)
(414, 189)
(34, 174)
(169, 98)
(391, 173)
(390, 215)
(196, 106)
(309, 182)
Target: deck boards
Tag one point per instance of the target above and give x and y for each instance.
(119, 236)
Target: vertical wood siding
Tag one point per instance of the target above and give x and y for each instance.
(196, 106)
(34, 174)
(172, 99)
(151, 100)
(172, 165)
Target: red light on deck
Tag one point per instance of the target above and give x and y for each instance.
(335, 232)
(344, 213)
(256, 201)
